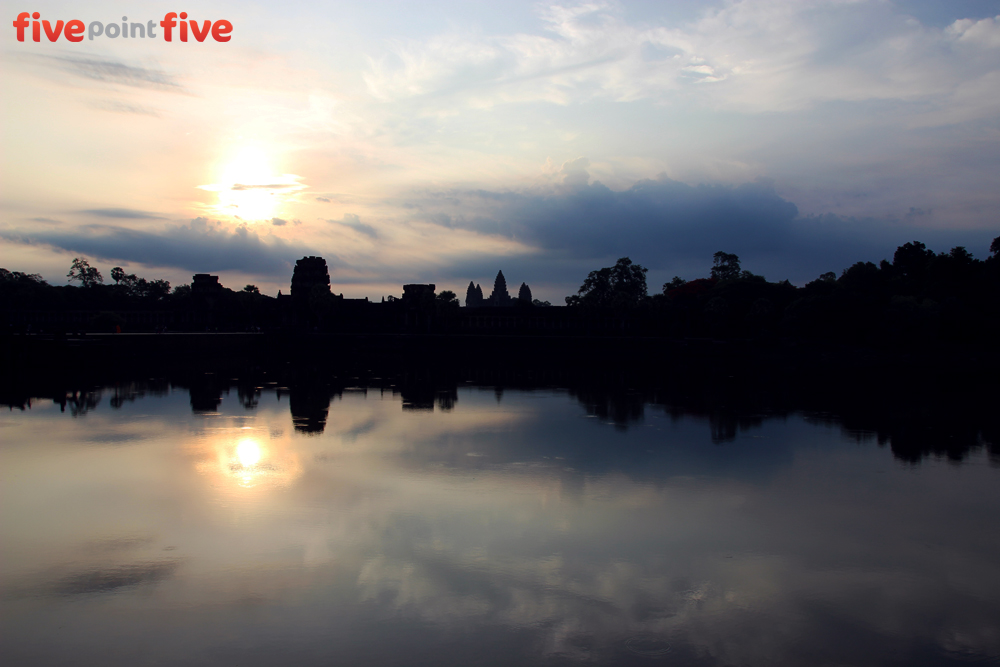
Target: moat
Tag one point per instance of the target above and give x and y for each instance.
(399, 520)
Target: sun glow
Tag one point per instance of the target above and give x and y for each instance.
(248, 453)
(249, 189)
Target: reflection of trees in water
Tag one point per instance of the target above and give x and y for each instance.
(726, 425)
(447, 398)
(915, 419)
(914, 432)
(914, 424)
(249, 395)
(81, 402)
(623, 407)
(128, 392)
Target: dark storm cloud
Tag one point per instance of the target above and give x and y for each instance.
(198, 247)
(672, 226)
(123, 213)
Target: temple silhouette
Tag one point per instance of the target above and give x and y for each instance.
(499, 298)
(918, 298)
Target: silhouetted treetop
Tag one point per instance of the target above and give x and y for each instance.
(81, 270)
(621, 285)
(448, 298)
(726, 267)
(23, 278)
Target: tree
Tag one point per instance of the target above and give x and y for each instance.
(727, 266)
(597, 289)
(676, 282)
(911, 259)
(117, 274)
(448, 298)
(995, 247)
(81, 270)
(157, 289)
(961, 255)
(629, 280)
(251, 289)
(19, 277)
(622, 285)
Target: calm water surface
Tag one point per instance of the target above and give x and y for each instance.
(513, 528)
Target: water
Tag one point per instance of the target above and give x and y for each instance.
(162, 526)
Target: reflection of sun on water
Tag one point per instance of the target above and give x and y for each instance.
(248, 452)
(245, 457)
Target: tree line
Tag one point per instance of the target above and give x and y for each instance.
(919, 296)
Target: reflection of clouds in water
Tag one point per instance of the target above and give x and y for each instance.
(105, 580)
(783, 616)
(388, 508)
(751, 608)
(106, 565)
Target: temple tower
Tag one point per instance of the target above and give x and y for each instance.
(309, 273)
(500, 297)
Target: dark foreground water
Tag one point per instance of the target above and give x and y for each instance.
(169, 527)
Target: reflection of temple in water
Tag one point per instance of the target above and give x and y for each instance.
(206, 395)
(309, 407)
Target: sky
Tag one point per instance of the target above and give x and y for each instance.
(439, 142)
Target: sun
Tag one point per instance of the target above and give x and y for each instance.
(249, 188)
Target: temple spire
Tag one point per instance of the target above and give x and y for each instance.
(500, 297)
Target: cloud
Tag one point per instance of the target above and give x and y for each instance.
(781, 55)
(575, 172)
(323, 199)
(123, 213)
(278, 222)
(985, 32)
(264, 186)
(199, 247)
(668, 225)
(352, 221)
(111, 71)
(124, 107)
